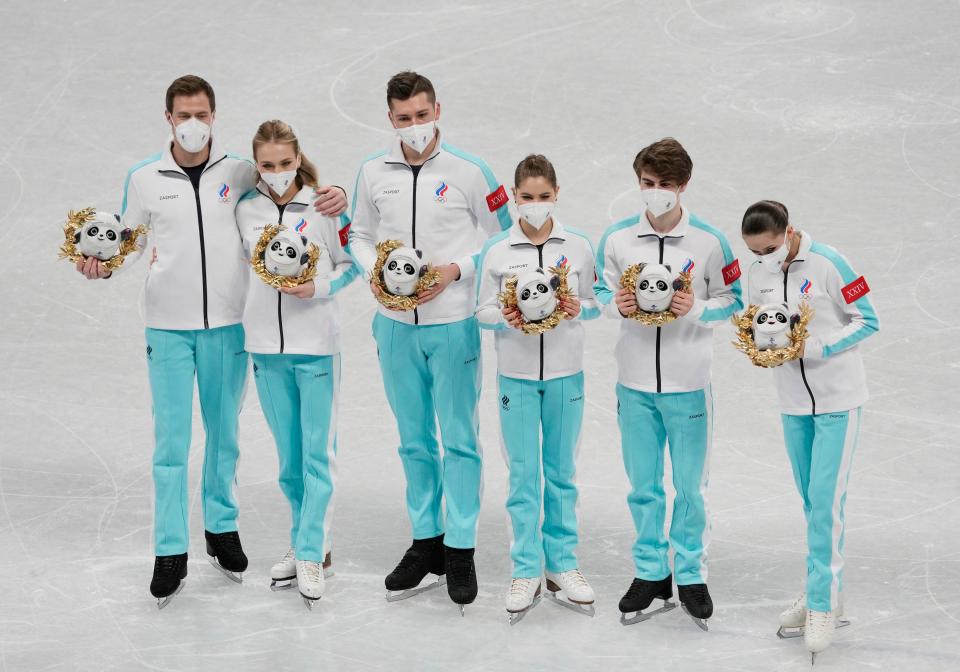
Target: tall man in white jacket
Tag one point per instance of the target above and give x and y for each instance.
(444, 202)
(663, 390)
(186, 196)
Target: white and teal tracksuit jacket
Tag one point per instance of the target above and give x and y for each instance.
(540, 385)
(295, 345)
(664, 393)
(821, 396)
(430, 357)
(193, 308)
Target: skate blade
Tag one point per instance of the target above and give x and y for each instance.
(793, 633)
(309, 601)
(278, 585)
(236, 577)
(164, 601)
(515, 617)
(586, 609)
(397, 595)
(641, 616)
(700, 622)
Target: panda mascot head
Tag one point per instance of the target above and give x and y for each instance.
(537, 295)
(655, 287)
(286, 254)
(101, 236)
(771, 327)
(403, 270)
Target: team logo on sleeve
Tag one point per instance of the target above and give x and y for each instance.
(856, 290)
(562, 261)
(687, 266)
(301, 225)
(440, 194)
(224, 193)
(731, 272)
(497, 199)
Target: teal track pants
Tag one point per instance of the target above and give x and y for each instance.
(556, 406)
(218, 362)
(431, 374)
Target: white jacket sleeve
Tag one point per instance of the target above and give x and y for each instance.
(849, 291)
(485, 193)
(724, 296)
(364, 222)
(344, 269)
(489, 315)
(589, 306)
(134, 214)
(608, 274)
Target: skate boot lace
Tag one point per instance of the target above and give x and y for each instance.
(520, 587)
(634, 591)
(310, 570)
(459, 569)
(576, 577)
(410, 559)
(167, 564)
(229, 542)
(288, 556)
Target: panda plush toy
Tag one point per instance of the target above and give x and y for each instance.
(402, 271)
(771, 327)
(286, 254)
(537, 295)
(656, 285)
(101, 236)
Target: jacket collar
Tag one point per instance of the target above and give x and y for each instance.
(302, 197)
(518, 237)
(395, 155)
(644, 228)
(167, 162)
(805, 242)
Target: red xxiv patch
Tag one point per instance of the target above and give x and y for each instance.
(856, 290)
(731, 271)
(497, 199)
(345, 236)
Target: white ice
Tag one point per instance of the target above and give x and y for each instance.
(848, 111)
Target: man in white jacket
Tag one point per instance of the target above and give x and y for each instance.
(663, 390)
(186, 196)
(444, 202)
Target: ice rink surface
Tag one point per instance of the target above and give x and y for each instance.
(849, 112)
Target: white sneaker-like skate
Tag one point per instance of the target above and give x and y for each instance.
(577, 593)
(284, 573)
(310, 581)
(818, 631)
(523, 596)
(794, 618)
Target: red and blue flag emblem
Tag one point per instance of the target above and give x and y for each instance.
(687, 266)
(301, 225)
(805, 286)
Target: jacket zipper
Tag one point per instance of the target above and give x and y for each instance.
(803, 371)
(413, 226)
(280, 208)
(540, 259)
(659, 381)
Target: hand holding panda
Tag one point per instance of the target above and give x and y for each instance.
(402, 271)
(772, 325)
(98, 240)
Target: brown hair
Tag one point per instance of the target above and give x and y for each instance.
(405, 85)
(667, 159)
(190, 85)
(535, 165)
(765, 217)
(280, 132)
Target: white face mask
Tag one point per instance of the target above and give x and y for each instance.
(418, 136)
(773, 262)
(536, 214)
(279, 182)
(193, 135)
(658, 201)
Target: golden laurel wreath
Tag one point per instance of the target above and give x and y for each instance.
(394, 301)
(629, 281)
(277, 281)
(75, 221)
(775, 356)
(508, 298)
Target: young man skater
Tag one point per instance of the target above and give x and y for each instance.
(663, 390)
(444, 202)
